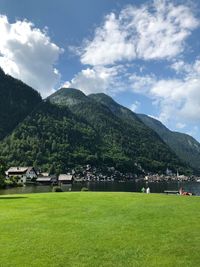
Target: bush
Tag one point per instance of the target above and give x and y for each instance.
(2, 181)
(57, 189)
(8, 183)
(84, 189)
(20, 185)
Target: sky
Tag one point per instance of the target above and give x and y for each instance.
(145, 54)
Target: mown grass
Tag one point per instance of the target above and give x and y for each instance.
(99, 229)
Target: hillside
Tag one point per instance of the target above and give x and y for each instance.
(185, 146)
(17, 100)
(52, 138)
(71, 129)
(122, 143)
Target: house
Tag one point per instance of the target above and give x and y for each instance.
(44, 180)
(65, 178)
(26, 174)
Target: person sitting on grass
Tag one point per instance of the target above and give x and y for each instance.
(182, 193)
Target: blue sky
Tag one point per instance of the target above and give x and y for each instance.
(145, 54)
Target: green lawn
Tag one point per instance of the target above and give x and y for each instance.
(99, 229)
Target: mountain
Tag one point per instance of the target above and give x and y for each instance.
(125, 139)
(185, 146)
(68, 98)
(17, 100)
(120, 111)
(51, 137)
(70, 129)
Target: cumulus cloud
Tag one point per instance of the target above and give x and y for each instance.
(182, 67)
(156, 31)
(134, 107)
(27, 53)
(152, 31)
(98, 79)
(177, 98)
(180, 125)
(141, 84)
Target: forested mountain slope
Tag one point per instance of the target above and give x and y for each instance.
(125, 138)
(17, 100)
(185, 146)
(70, 129)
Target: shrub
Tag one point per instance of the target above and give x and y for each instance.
(84, 189)
(2, 181)
(57, 189)
(8, 182)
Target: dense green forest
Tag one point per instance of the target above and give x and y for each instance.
(51, 138)
(184, 145)
(123, 143)
(70, 129)
(54, 139)
(17, 100)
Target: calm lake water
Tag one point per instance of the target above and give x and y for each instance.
(132, 186)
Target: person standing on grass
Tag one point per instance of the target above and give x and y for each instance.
(143, 190)
(148, 190)
(181, 191)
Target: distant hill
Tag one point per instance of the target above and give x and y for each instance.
(52, 138)
(17, 100)
(120, 111)
(70, 129)
(185, 146)
(125, 139)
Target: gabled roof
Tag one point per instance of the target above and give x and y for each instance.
(65, 177)
(44, 174)
(44, 179)
(17, 170)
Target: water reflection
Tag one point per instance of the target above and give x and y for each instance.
(132, 186)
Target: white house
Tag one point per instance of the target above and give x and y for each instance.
(25, 173)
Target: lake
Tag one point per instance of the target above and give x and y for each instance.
(131, 186)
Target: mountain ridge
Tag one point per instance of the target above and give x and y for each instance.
(70, 128)
(88, 108)
(184, 145)
(17, 100)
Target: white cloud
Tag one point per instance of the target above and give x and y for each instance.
(178, 99)
(152, 31)
(180, 125)
(27, 53)
(141, 83)
(109, 45)
(182, 67)
(98, 79)
(134, 107)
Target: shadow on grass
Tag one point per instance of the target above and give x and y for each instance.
(4, 198)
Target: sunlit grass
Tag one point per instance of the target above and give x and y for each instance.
(99, 229)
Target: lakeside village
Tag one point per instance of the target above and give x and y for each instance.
(20, 176)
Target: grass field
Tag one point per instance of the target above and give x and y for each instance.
(99, 229)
